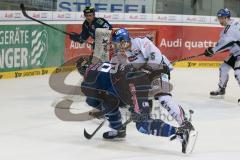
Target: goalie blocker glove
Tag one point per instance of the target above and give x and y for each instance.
(209, 52)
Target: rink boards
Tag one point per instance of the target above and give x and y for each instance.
(30, 49)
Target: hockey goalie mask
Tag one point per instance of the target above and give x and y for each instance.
(121, 40)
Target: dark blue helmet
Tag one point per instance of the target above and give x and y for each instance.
(89, 9)
(120, 34)
(224, 13)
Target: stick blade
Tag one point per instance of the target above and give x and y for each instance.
(22, 6)
(23, 10)
(87, 135)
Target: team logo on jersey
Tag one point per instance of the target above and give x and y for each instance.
(137, 52)
(132, 58)
(134, 55)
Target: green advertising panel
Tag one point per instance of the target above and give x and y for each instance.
(30, 46)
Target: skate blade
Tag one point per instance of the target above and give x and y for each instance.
(192, 141)
(115, 139)
(217, 97)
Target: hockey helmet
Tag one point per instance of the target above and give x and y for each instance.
(121, 34)
(224, 13)
(89, 9)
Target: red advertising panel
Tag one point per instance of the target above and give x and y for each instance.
(183, 41)
(175, 42)
(74, 49)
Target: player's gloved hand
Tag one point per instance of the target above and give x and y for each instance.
(76, 37)
(209, 52)
(82, 65)
(97, 114)
(125, 68)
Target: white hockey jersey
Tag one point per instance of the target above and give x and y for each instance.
(228, 38)
(143, 50)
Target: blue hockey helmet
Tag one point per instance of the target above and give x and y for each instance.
(121, 34)
(224, 13)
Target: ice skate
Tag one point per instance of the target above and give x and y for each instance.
(218, 94)
(187, 134)
(115, 134)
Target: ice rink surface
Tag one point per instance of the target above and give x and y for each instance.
(30, 130)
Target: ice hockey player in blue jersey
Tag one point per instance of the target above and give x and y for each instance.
(106, 86)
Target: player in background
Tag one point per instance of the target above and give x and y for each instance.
(229, 41)
(142, 54)
(89, 27)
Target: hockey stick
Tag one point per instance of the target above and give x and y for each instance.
(136, 109)
(45, 24)
(89, 136)
(187, 58)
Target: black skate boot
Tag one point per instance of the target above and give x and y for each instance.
(187, 136)
(218, 93)
(115, 134)
(184, 132)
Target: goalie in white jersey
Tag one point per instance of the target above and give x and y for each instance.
(229, 41)
(144, 55)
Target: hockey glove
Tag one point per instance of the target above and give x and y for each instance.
(76, 37)
(82, 64)
(209, 52)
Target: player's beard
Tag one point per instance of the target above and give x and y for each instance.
(122, 47)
